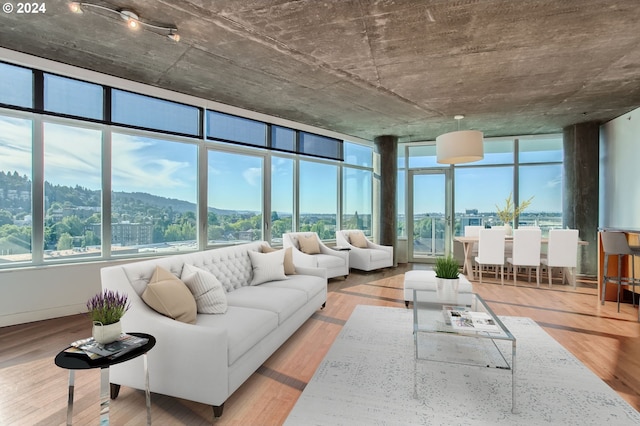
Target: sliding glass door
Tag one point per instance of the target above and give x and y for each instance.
(429, 221)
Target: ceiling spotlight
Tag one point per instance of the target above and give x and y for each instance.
(133, 20)
(75, 7)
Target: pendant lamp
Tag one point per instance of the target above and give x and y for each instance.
(461, 146)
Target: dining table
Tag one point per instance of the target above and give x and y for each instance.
(469, 242)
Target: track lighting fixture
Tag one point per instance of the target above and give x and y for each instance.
(132, 19)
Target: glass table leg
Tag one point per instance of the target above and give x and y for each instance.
(70, 400)
(104, 396)
(146, 388)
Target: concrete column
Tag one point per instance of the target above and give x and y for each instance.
(581, 182)
(386, 147)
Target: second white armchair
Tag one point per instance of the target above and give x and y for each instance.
(364, 254)
(309, 251)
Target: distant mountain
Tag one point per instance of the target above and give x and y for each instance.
(13, 186)
(176, 205)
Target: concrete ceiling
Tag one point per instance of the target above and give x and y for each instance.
(367, 67)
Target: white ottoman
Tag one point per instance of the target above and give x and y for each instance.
(426, 280)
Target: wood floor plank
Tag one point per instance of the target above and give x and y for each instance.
(33, 391)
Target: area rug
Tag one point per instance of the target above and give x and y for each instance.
(370, 377)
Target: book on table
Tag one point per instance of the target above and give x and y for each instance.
(462, 319)
(94, 350)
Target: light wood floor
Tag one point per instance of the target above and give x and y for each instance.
(33, 391)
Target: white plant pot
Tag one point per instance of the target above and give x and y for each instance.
(104, 334)
(447, 289)
(508, 230)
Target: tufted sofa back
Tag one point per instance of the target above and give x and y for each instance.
(230, 265)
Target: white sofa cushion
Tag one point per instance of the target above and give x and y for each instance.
(267, 266)
(206, 289)
(377, 255)
(311, 285)
(328, 261)
(282, 301)
(245, 328)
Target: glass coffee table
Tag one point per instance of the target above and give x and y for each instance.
(436, 323)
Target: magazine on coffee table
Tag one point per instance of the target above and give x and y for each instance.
(95, 350)
(465, 320)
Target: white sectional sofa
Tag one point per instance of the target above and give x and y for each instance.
(207, 361)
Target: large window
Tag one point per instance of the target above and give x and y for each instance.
(89, 171)
(540, 180)
(152, 113)
(15, 190)
(526, 168)
(318, 198)
(282, 190)
(356, 196)
(16, 86)
(477, 192)
(73, 97)
(236, 129)
(72, 191)
(154, 192)
(320, 146)
(234, 197)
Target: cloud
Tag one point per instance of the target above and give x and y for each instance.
(15, 145)
(253, 176)
(553, 183)
(147, 165)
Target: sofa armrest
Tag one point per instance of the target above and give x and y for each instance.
(324, 249)
(379, 247)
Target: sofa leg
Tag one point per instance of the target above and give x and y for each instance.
(323, 305)
(406, 303)
(217, 410)
(115, 390)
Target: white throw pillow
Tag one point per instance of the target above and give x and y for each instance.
(289, 267)
(267, 266)
(206, 289)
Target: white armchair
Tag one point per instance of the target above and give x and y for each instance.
(364, 254)
(309, 251)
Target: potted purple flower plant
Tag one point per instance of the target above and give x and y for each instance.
(106, 309)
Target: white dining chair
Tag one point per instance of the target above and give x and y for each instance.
(526, 252)
(491, 251)
(562, 252)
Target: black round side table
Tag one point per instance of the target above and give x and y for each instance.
(74, 362)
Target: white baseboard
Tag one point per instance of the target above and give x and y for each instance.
(49, 313)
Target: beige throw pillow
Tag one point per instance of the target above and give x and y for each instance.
(206, 289)
(169, 296)
(289, 267)
(309, 244)
(267, 266)
(358, 239)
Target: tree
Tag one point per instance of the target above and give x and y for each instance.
(6, 218)
(65, 242)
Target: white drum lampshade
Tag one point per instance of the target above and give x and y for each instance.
(462, 146)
